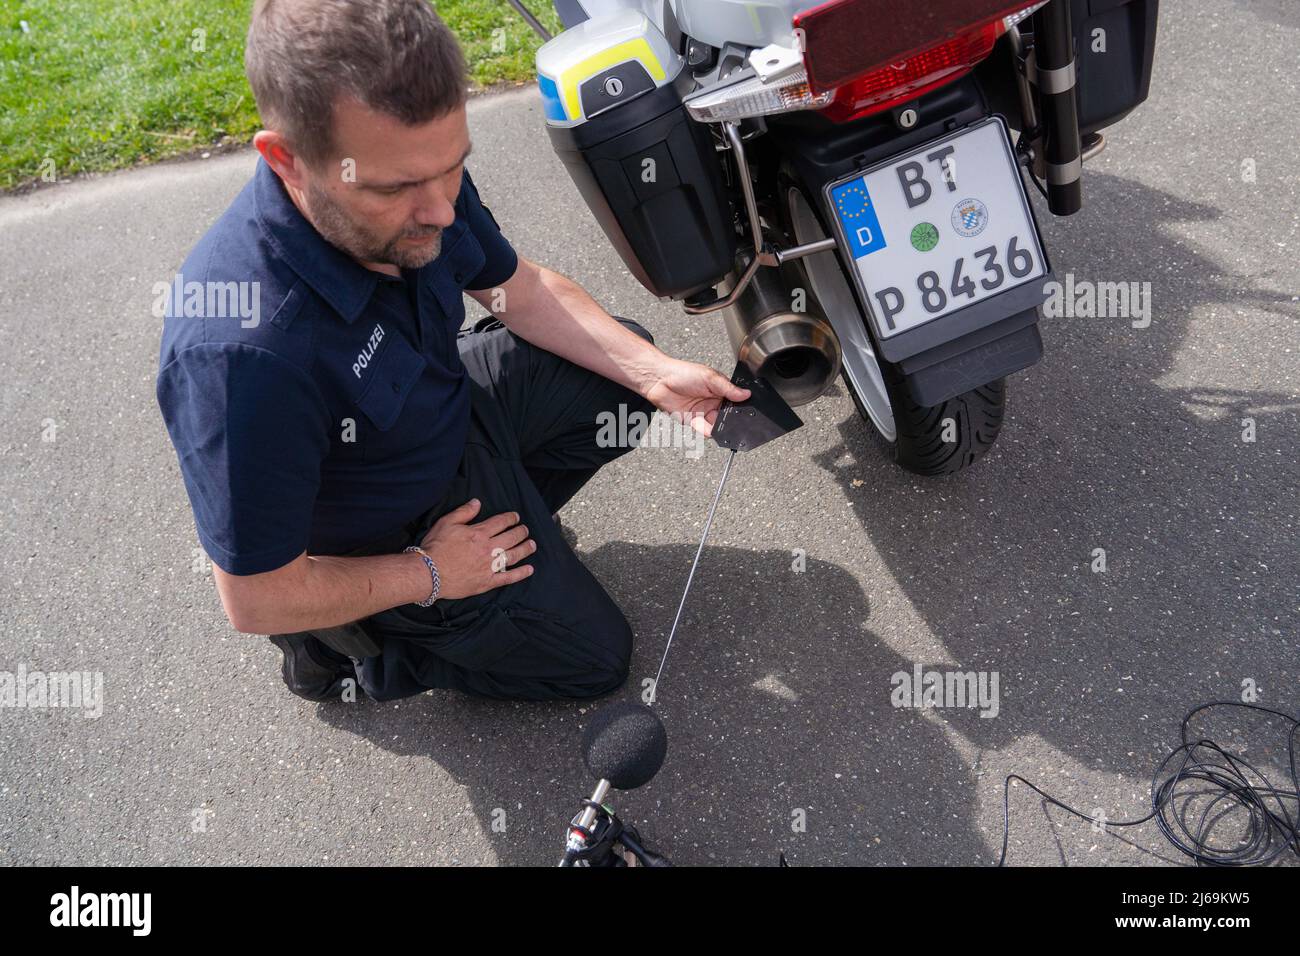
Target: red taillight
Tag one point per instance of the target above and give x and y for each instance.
(875, 56)
(887, 86)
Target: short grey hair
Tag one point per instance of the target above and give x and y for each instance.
(394, 56)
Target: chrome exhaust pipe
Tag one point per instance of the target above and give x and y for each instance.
(778, 330)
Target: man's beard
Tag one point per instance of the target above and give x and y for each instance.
(333, 223)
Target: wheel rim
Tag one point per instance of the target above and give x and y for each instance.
(833, 292)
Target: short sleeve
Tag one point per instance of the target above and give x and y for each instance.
(501, 259)
(250, 431)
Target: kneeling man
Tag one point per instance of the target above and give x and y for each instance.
(374, 485)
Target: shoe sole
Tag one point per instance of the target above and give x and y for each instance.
(291, 652)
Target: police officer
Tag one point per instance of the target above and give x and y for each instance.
(374, 486)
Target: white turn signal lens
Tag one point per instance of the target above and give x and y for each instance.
(753, 97)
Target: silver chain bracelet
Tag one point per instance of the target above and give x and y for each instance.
(433, 572)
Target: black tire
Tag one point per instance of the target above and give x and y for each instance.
(919, 446)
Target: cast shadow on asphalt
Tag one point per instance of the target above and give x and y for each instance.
(779, 702)
(1198, 525)
(1283, 13)
(753, 691)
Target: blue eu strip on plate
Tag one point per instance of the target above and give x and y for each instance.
(854, 207)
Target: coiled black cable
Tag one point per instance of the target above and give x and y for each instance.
(1273, 824)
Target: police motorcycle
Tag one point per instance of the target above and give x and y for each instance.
(845, 183)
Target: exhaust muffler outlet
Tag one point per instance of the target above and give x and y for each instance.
(794, 350)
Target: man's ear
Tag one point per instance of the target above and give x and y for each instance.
(280, 157)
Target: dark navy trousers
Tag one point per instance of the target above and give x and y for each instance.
(534, 420)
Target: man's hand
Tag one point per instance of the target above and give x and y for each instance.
(323, 591)
(473, 558)
(691, 392)
(556, 314)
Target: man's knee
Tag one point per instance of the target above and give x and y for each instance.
(616, 673)
(609, 640)
(611, 673)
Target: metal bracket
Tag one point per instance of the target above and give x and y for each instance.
(774, 60)
(763, 254)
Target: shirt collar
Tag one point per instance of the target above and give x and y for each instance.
(338, 278)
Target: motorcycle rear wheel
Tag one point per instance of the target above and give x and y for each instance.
(926, 440)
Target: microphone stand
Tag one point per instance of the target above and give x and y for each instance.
(596, 833)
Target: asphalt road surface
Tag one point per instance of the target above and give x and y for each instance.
(778, 695)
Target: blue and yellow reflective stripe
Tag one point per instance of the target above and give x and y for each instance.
(567, 105)
(635, 49)
(568, 101)
(552, 108)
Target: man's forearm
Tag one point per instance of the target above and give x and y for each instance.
(319, 592)
(558, 315)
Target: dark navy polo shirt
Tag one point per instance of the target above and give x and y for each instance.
(328, 406)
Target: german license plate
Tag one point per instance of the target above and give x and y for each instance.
(933, 231)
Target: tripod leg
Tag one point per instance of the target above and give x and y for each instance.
(645, 856)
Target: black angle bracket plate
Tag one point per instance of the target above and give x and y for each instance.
(743, 426)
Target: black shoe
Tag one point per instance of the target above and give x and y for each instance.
(311, 670)
(568, 534)
(489, 323)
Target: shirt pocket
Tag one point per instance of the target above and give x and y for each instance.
(460, 263)
(392, 377)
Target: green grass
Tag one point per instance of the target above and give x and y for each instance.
(92, 85)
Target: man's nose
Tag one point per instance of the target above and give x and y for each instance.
(433, 208)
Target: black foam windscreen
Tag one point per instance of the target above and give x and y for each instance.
(625, 743)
